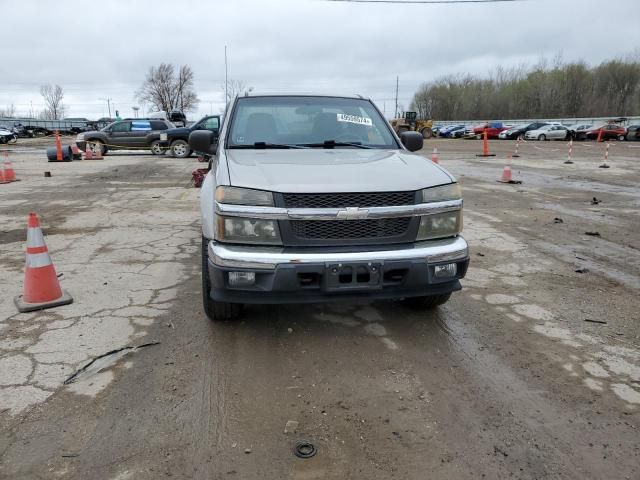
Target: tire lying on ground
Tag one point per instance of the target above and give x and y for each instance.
(52, 154)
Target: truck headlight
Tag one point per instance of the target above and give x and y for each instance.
(440, 225)
(443, 193)
(244, 196)
(248, 230)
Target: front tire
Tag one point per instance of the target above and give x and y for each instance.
(216, 311)
(180, 149)
(427, 303)
(542, 138)
(97, 146)
(426, 133)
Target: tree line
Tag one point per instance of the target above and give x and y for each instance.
(546, 90)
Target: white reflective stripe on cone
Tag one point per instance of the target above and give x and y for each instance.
(37, 260)
(35, 238)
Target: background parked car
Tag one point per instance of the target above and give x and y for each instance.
(136, 134)
(548, 132)
(609, 131)
(519, 130)
(579, 130)
(633, 132)
(493, 129)
(7, 135)
(444, 131)
(457, 132)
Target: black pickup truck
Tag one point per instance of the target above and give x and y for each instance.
(177, 139)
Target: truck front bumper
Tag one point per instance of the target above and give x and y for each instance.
(288, 275)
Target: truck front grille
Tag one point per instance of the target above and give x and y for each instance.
(350, 229)
(342, 200)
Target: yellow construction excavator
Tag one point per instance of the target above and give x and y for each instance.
(410, 123)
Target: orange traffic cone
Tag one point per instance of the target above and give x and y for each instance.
(88, 154)
(75, 152)
(435, 158)
(9, 174)
(485, 146)
(98, 154)
(506, 175)
(41, 286)
(2, 180)
(59, 156)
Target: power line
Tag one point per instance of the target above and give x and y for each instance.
(433, 2)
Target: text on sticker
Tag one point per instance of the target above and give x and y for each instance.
(343, 117)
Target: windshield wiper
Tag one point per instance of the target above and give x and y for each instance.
(265, 145)
(333, 143)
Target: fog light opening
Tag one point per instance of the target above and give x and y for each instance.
(242, 279)
(445, 271)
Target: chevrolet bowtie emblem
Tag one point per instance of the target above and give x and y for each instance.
(352, 213)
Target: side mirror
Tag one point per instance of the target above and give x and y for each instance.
(203, 141)
(413, 141)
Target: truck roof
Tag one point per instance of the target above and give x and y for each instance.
(303, 94)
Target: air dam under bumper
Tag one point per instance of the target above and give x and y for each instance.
(285, 275)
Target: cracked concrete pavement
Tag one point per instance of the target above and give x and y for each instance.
(120, 251)
(507, 380)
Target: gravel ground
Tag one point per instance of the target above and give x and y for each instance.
(513, 378)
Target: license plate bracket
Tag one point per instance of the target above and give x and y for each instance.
(353, 276)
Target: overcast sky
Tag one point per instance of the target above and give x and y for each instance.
(102, 49)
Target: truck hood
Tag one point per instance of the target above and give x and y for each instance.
(178, 131)
(333, 170)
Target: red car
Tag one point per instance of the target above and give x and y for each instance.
(609, 131)
(493, 129)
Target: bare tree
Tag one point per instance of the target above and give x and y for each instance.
(8, 112)
(235, 88)
(53, 106)
(164, 90)
(548, 89)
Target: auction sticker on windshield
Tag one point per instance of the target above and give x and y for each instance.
(343, 117)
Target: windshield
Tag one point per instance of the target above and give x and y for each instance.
(308, 121)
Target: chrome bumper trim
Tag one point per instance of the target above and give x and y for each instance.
(277, 213)
(267, 258)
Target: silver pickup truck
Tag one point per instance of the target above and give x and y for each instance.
(315, 198)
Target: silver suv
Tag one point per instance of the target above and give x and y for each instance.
(315, 198)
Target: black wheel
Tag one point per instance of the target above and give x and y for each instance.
(426, 132)
(156, 148)
(542, 138)
(216, 311)
(432, 301)
(180, 149)
(621, 138)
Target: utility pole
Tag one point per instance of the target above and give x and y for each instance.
(397, 83)
(108, 100)
(226, 80)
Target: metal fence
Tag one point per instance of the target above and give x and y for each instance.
(596, 121)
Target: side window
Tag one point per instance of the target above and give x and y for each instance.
(212, 123)
(158, 125)
(140, 125)
(121, 127)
